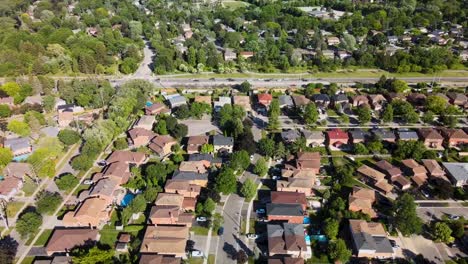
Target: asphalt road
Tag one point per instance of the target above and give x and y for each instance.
(230, 242)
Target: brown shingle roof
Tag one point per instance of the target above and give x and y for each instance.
(18, 169)
(170, 199)
(63, 240)
(288, 198)
(158, 259)
(126, 156)
(429, 133)
(369, 172)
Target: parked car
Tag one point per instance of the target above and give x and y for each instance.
(394, 244)
(201, 219)
(454, 217)
(220, 231)
(252, 236)
(260, 211)
(196, 254)
(102, 163)
(425, 193)
(251, 157)
(276, 177)
(88, 182)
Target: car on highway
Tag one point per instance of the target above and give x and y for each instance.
(201, 219)
(220, 231)
(196, 254)
(230, 79)
(212, 79)
(252, 236)
(260, 211)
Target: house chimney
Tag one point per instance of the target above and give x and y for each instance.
(170, 216)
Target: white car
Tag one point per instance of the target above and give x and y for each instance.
(201, 219)
(276, 177)
(88, 182)
(251, 157)
(252, 236)
(196, 254)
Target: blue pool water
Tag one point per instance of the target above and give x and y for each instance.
(148, 103)
(320, 238)
(21, 157)
(306, 220)
(127, 199)
(307, 239)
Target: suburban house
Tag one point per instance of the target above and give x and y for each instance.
(384, 134)
(340, 99)
(214, 161)
(377, 101)
(457, 98)
(290, 135)
(140, 136)
(303, 162)
(370, 240)
(165, 240)
(416, 99)
(128, 157)
(170, 215)
(405, 134)
(222, 101)
(287, 239)
(156, 109)
(162, 145)
(200, 179)
(431, 138)
(185, 203)
(457, 172)
(337, 137)
(182, 187)
(176, 100)
(92, 212)
(292, 213)
(434, 170)
(246, 54)
(205, 99)
(417, 172)
(376, 178)
(194, 143)
(285, 101)
(333, 41)
(394, 174)
(313, 138)
(145, 122)
(289, 198)
(455, 137)
(201, 166)
(300, 184)
(9, 187)
(18, 146)
(359, 100)
(300, 101)
(361, 200)
(223, 144)
(229, 54)
(358, 135)
(158, 259)
(264, 99)
(242, 101)
(18, 170)
(321, 100)
(64, 240)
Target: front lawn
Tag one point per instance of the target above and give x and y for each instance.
(29, 186)
(200, 230)
(13, 208)
(43, 238)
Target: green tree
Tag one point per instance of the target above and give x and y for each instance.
(273, 115)
(240, 160)
(66, 182)
(311, 114)
(94, 255)
(48, 103)
(399, 86)
(267, 146)
(428, 117)
(197, 109)
(245, 87)
(338, 251)
(156, 173)
(226, 182)
(48, 202)
(261, 168)
(209, 206)
(249, 189)
(4, 111)
(360, 149)
(69, 137)
(449, 120)
(120, 143)
(28, 224)
(331, 228)
(180, 131)
(161, 127)
(409, 149)
(19, 127)
(405, 217)
(364, 114)
(436, 104)
(207, 148)
(387, 115)
(5, 156)
(442, 233)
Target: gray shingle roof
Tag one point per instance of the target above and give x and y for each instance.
(458, 170)
(285, 100)
(189, 175)
(408, 135)
(284, 209)
(220, 140)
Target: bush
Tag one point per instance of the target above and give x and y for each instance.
(69, 137)
(28, 224)
(82, 162)
(66, 182)
(120, 143)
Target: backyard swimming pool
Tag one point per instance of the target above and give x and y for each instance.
(306, 220)
(127, 199)
(148, 103)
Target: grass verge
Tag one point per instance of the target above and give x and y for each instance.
(199, 230)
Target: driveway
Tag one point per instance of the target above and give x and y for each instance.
(416, 244)
(426, 213)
